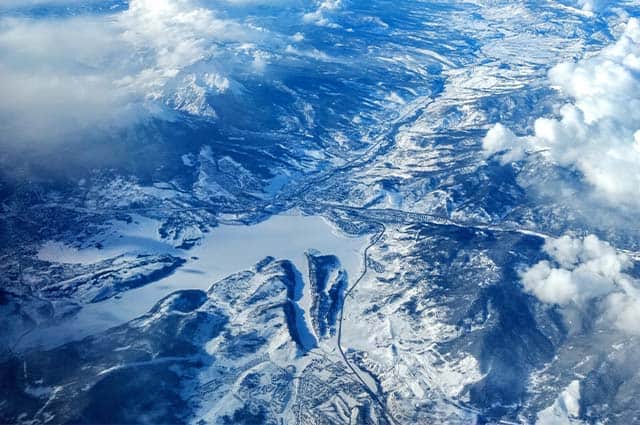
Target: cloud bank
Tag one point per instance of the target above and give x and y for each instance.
(598, 134)
(60, 76)
(583, 271)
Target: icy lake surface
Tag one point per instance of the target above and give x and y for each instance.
(225, 250)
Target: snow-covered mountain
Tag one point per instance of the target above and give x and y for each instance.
(338, 211)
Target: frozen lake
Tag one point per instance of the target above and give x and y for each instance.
(225, 250)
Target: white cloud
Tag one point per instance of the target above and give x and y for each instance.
(581, 271)
(597, 133)
(55, 78)
(588, 269)
(624, 312)
(500, 139)
(60, 76)
(259, 2)
(319, 16)
(591, 5)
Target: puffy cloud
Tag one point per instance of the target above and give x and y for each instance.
(583, 270)
(624, 312)
(592, 5)
(586, 269)
(318, 16)
(61, 76)
(597, 134)
(500, 139)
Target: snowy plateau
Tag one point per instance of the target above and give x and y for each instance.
(320, 212)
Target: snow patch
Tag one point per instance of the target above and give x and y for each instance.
(564, 410)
